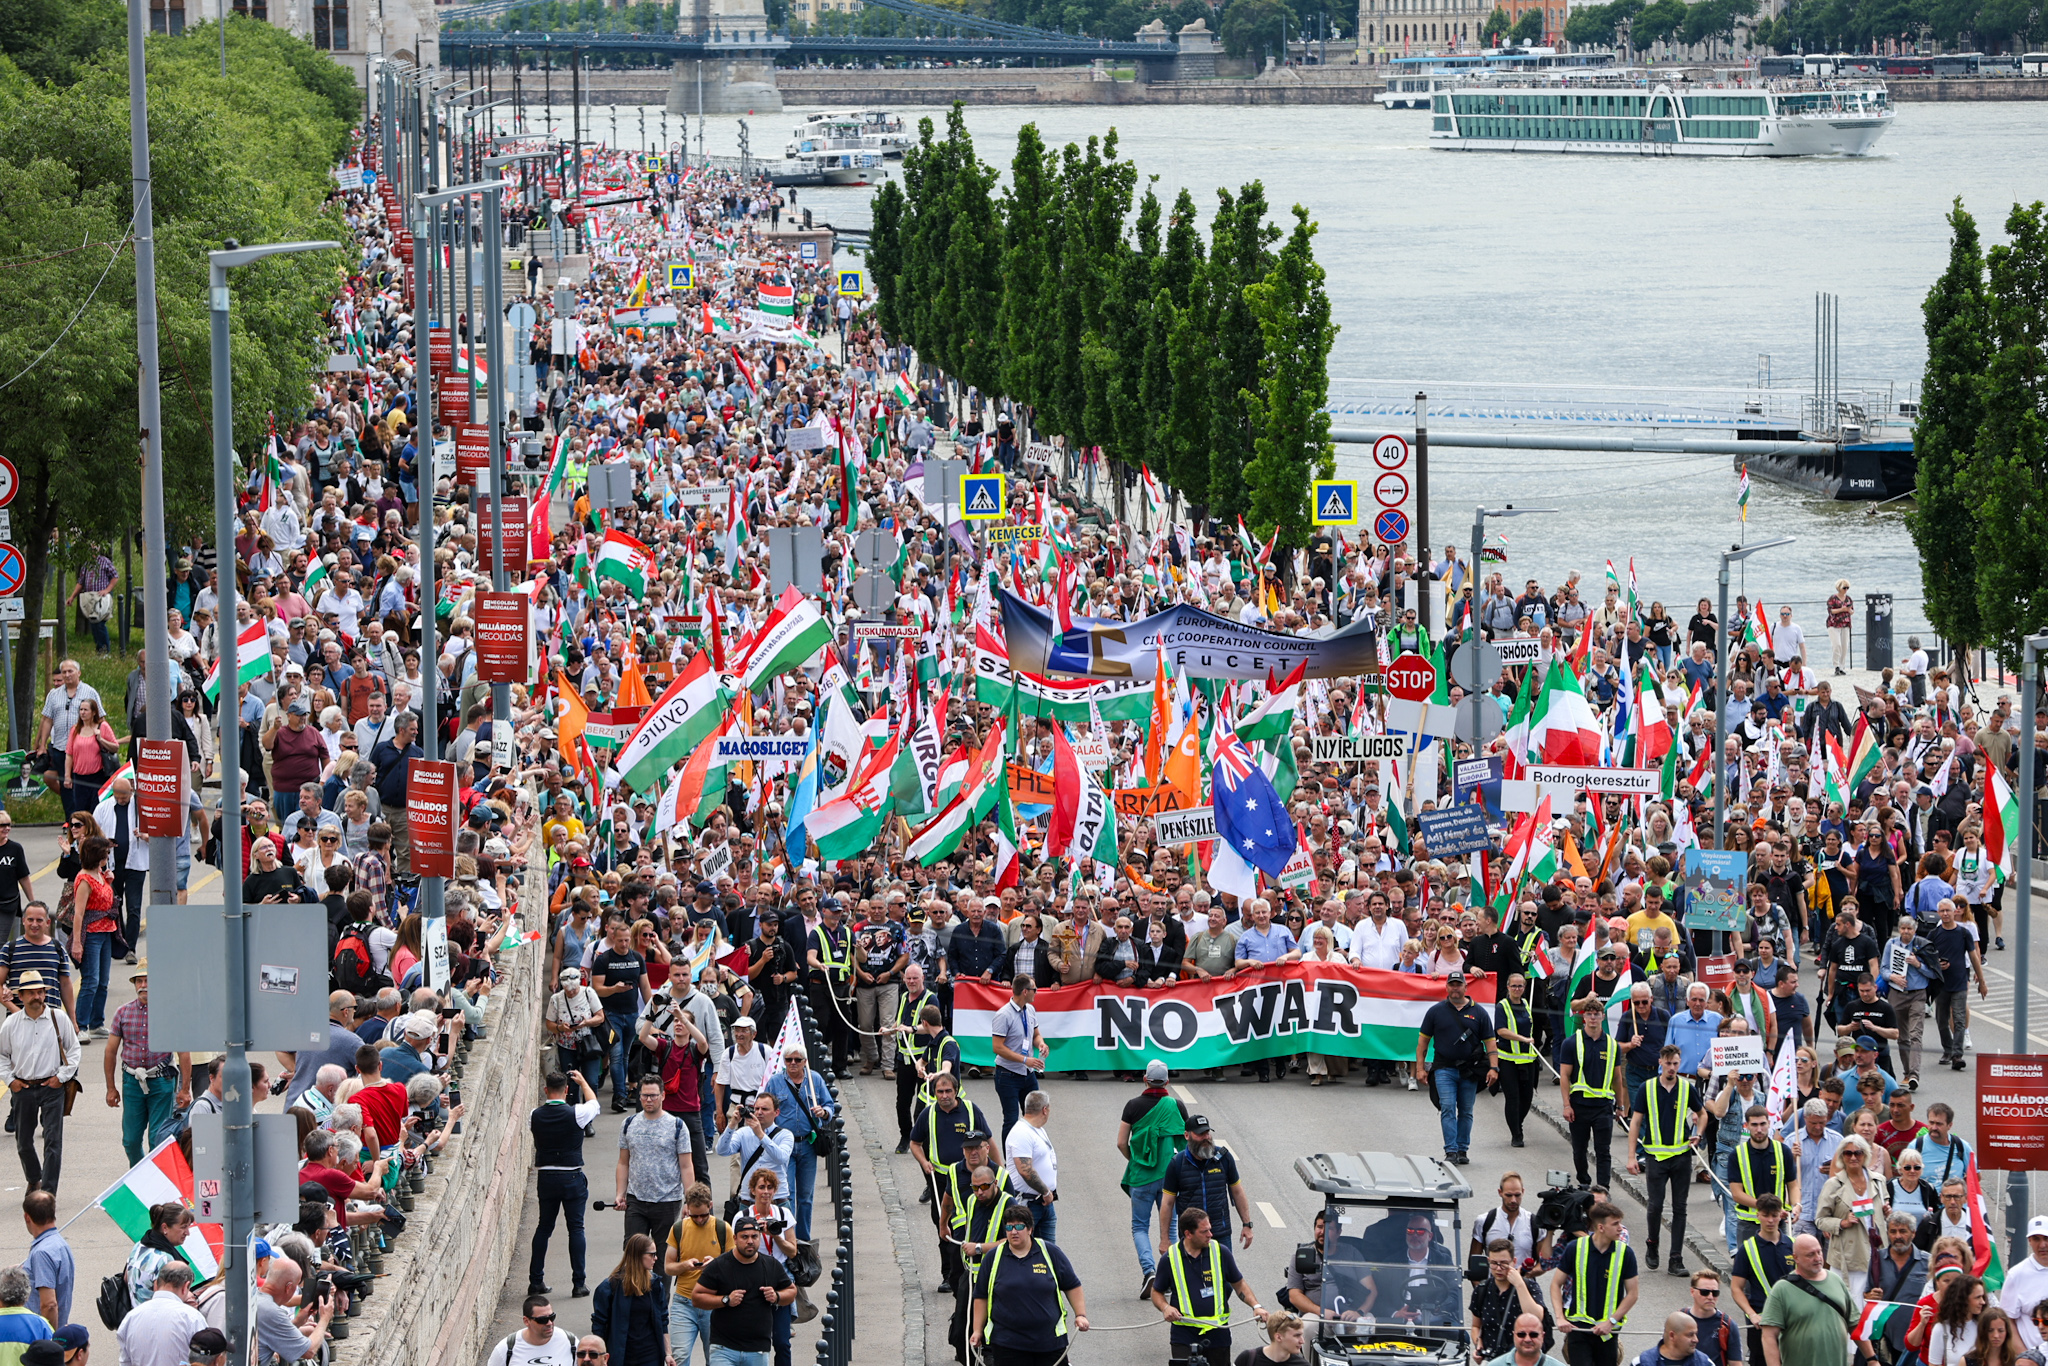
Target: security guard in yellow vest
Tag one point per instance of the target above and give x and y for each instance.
(1515, 1042)
(979, 1229)
(1660, 1137)
(1586, 1086)
(1760, 1165)
(1027, 1298)
(830, 980)
(910, 1043)
(1761, 1260)
(1191, 1286)
(1593, 1289)
(950, 1182)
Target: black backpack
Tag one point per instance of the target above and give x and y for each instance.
(113, 1302)
(352, 968)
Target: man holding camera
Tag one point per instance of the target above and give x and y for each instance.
(277, 1335)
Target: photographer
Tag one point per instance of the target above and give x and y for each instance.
(277, 1336)
(757, 1140)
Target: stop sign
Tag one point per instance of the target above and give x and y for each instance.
(1411, 678)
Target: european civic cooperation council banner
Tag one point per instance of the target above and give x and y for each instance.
(1264, 1012)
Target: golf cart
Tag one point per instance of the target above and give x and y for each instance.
(1391, 1266)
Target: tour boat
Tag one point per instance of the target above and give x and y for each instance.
(861, 130)
(1783, 118)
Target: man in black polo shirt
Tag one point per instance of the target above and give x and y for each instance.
(1454, 1057)
(15, 883)
(558, 1163)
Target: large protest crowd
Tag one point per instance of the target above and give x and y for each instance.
(952, 835)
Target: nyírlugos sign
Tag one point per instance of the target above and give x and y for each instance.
(1324, 1008)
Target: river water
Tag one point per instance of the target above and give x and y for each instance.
(1532, 272)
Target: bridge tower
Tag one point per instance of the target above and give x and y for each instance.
(736, 74)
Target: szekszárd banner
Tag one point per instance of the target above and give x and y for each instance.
(1265, 1012)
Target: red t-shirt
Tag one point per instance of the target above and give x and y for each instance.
(384, 1110)
(339, 1184)
(680, 1095)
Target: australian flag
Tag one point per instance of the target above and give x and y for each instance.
(1249, 814)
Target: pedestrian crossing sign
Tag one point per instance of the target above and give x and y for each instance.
(682, 277)
(1336, 502)
(981, 498)
(853, 283)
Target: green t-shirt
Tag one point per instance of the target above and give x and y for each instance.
(1808, 1329)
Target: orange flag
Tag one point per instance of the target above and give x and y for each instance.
(1162, 713)
(575, 716)
(633, 686)
(1183, 767)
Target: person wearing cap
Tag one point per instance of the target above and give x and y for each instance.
(1456, 1053)
(743, 1289)
(297, 750)
(38, 1061)
(829, 953)
(558, 1132)
(772, 967)
(1204, 1176)
(1587, 1093)
(1150, 1134)
(804, 1108)
(949, 1184)
(151, 1088)
(978, 1228)
(1027, 1299)
(413, 1051)
(2026, 1284)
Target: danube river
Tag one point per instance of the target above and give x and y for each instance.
(1575, 280)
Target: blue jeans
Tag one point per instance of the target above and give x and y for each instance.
(1011, 1088)
(1455, 1098)
(1144, 1205)
(94, 969)
(803, 1178)
(145, 1112)
(622, 1026)
(686, 1324)
(1045, 1221)
(730, 1356)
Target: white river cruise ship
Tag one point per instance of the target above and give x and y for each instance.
(1784, 118)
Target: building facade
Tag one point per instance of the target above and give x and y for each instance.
(354, 32)
(1416, 28)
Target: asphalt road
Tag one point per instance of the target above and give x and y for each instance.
(1268, 1125)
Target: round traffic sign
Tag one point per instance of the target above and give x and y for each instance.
(1476, 665)
(1391, 526)
(1486, 715)
(12, 570)
(10, 481)
(1390, 489)
(1411, 678)
(1390, 452)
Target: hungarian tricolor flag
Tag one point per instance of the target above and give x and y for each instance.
(1653, 727)
(777, 299)
(252, 656)
(2001, 820)
(161, 1178)
(1864, 752)
(1563, 729)
(846, 827)
(1758, 627)
(626, 560)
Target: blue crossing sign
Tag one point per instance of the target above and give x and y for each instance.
(981, 498)
(682, 276)
(853, 283)
(1335, 502)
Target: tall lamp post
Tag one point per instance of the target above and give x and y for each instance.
(1728, 557)
(1479, 516)
(237, 1120)
(2016, 1192)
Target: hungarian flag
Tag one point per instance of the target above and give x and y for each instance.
(902, 390)
(690, 709)
(777, 299)
(788, 643)
(626, 560)
(252, 656)
(2001, 820)
(1083, 822)
(989, 779)
(699, 787)
(1654, 728)
(1990, 1264)
(163, 1177)
(317, 579)
(1864, 752)
(1273, 717)
(1758, 627)
(1563, 729)
(1879, 1315)
(846, 827)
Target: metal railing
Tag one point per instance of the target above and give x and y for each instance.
(836, 1323)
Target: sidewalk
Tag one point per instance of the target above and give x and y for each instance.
(93, 1158)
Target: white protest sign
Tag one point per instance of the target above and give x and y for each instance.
(1185, 827)
(1343, 749)
(1738, 1053)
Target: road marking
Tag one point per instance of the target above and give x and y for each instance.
(1187, 1096)
(1273, 1219)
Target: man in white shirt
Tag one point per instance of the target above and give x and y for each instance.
(2026, 1285)
(342, 599)
(158, 1332)
(1376, 941)
(537, 1341)
(1032, 1164)
(743, 1068)
(38, 1055)
(1511, 1221)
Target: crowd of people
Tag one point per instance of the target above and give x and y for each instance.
(687, 911)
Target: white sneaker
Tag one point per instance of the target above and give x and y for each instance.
(1411, 1083)
(1966, 1040)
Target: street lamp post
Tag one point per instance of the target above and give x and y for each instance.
(237, 1120)
(1728, 557)
(1479, 516)
(494, 331)
(2017, 1196)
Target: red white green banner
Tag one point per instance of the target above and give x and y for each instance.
(1264, 1012)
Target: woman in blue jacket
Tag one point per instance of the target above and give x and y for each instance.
(630, 1310)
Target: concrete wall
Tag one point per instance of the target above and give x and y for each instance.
(1919, 91)
(436, 1303)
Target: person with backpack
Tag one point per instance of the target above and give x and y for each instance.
(695, 1240)
(539, 1342)
(654, 1166)
(353, 967)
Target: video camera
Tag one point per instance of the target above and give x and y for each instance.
(1563, 1207)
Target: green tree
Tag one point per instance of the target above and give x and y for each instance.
(58, 40)
(1497, 24)
(1292, 446)
(885, 256)
(1528, 29)
(1944, 518)
(1240, 255)
(1658, 23)
(972, 260)
(2010, 472)
(1254, 27)
(1026, 263)
(249, 158)
(1177, 388)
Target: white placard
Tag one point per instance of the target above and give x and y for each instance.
(702, 495)
(1424, 718)
(1516, 650)
(718, 861)
(1350, 749)
(1737, 1053)
(1185, 827)
(434, 937)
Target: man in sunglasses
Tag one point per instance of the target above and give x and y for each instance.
(1528, 1349)
(538, 1339)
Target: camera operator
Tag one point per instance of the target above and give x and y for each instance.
(276, 1334)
